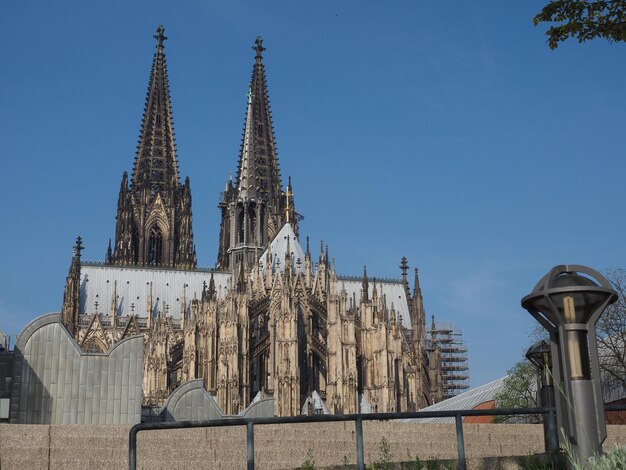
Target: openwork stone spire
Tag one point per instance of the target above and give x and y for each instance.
(258, 159)
(254, 206)
(154, 222)
(156, 168)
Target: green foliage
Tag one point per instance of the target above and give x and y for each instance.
(614, 459)
(344, 464)
(519, 389)
(384, 456)
(583, 20)
(433, 464)
(309, 463)
(540, 462)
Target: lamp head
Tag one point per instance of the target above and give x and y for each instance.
(539, 353)
(569, 294)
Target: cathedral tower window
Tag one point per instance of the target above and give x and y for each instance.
(240, 227)
(262, 224)
(252, 222)
(155, 246)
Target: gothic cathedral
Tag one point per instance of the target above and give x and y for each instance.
(271, 319)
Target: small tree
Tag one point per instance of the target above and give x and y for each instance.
(384, 456)
(519, 390)
(309, 463)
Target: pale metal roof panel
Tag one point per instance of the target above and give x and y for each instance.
(169, 287)
(278, 247)
(393, 290)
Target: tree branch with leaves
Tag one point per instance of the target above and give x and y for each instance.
(583, 20)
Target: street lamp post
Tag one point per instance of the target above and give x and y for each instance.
(567, 302)
(539, 354)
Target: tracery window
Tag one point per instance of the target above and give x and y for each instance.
(252, 219)
(94, 346)
(155, 246)
(240, 228)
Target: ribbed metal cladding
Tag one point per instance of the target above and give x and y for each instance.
(59, 384)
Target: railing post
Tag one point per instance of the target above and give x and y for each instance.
(359, 443)
(460, 444)
(132, 449)
(552, 436)
(250, 442)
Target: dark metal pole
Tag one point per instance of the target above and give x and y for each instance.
(250, 439)
(460, 444)
(359, 443)
(132, 449)
(550, 433)
(551, 429)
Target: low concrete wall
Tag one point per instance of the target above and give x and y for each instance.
(277, 446)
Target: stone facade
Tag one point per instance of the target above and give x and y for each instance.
(272, 318)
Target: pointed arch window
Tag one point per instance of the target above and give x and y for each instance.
(262, 224)
(155, 246)
(94, 345)
(252, 222)
(240, 227)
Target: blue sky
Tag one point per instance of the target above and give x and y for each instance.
(448, 133)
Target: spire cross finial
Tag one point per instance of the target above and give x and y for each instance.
(404, 266)
(160, 37)
(78, 247)
(258, 46)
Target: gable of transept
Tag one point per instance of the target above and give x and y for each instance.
(94, 338)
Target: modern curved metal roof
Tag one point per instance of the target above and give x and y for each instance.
(464, 401)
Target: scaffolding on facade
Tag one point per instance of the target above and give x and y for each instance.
(454, 358)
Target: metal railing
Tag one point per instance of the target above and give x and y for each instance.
(357, 418)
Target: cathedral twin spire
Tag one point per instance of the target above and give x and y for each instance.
(258, 174)
(254, 207)
(154, 221)
(156, 168)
